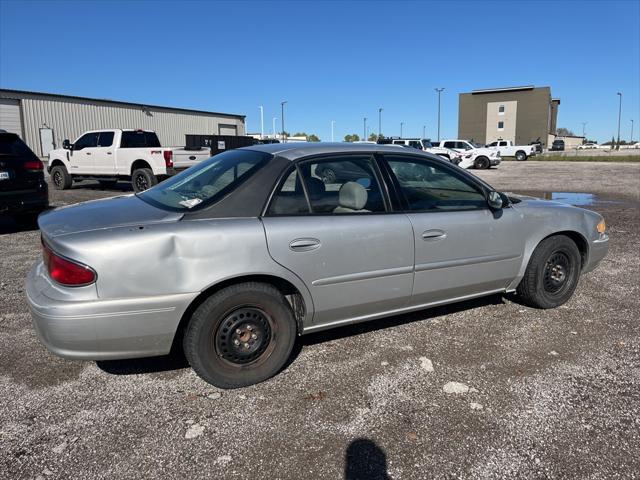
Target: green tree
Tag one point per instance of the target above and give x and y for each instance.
(373, 137)
(313, 138)
(354, 137)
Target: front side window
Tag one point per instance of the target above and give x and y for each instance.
(503, 144)
(493, 144)
(88, 140)
(428, 186)
(450, 145)
(206, 182)
(105, 139)
(335, 185)
(463, 146)
(415, 144)
(139, 139)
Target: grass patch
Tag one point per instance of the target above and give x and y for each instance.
(585, 158)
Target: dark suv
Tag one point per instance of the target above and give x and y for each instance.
(557, 146)
(23, 189)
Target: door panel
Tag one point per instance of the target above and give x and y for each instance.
(465, 253)
(353, 265)
(104, 162)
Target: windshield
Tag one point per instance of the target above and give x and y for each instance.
(477, 145)
(206, 182)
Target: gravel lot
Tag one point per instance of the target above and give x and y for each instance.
(539, 394)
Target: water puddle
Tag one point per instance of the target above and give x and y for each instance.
(572, 198)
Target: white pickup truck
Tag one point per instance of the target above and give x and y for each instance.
(114, 154)
(482, 157)
(506, 148)
(426, 146)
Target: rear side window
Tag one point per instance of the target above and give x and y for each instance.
(290, 199)
(450, 144)
(11, 145)
(105, 139)
(139, 139)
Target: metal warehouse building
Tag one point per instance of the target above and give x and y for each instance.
(44, 120)
(519, 114)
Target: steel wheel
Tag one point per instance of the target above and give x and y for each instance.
(244, 336)
(556, 272)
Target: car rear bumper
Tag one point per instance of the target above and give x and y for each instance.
(597, 251)
(25, 200)
(103, 329)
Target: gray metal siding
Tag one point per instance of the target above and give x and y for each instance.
(69, 118)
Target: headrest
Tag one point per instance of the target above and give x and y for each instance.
(352, 195)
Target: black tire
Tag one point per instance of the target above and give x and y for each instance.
(142, 179)
(60, 178)
(109, 184)
(328, 176)
(481, 163)
(210, 338)
(552, 274)
(521, 156)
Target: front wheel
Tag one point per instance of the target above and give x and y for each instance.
(552, 274)
(61, 178)
(143, 179)
(482, 163)
(521, 156)
(240, 336)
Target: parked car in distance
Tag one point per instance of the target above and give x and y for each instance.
(506, 148)
(427, 146)
(483, 157)
(587, 146)
(23, 189)
(113, 154)
(537, 144)
(557, 146)
(236, 256)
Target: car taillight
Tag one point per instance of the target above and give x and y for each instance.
(33, 165)
(66, 272)
(168, 158)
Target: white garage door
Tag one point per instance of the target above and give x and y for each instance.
(227, 129)
(10, 115)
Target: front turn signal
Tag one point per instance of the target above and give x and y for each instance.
(602, 227)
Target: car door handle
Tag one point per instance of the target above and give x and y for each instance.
(88, 153)
(109, 153)
(304, 244)
(434, 234)
(192, 157)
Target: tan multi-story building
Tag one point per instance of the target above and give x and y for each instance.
(520, 114)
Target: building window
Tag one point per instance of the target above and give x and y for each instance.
(500, 125)
(501, 110)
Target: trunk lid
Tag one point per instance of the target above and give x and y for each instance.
(184, 158)
(122, 211)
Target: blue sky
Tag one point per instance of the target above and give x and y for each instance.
(331, 60)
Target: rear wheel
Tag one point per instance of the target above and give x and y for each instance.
(61, 178)
(552, 274)
(143, 179)
(481, 163)
(521, 156)
(240, 335)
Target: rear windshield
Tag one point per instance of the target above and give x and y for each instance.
(207, 182)
(10, 144)
(139, 139)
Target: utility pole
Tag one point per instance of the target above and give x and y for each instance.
(284, 139)
(380, 122)
(439, 90)
(261, 122)
(333, 122)
(274, 128)
(424, 130)
(365, 128)
(619, 116)
(631, 141)
(583, 135)
(401, 125)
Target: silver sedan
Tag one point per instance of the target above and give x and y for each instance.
(233, 258)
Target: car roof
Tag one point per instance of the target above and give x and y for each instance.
(293, 151)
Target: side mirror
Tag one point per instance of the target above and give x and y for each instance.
(66, 144)
(494, 199)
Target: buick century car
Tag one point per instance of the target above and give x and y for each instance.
(233, 258)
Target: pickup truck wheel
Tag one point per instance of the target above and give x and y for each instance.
(61, 178)
(521, 156)
(142, 179)
(482, 163)
(552, 274)
(240, 335)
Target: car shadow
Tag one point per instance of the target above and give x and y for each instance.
(176, 359)
(9, 224)
(93, 185)
(365, 460)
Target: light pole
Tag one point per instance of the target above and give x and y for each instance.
(424, 130)
(619, 116)
(333, 122)
(401, 125)
(439, 90)
(380, 122)
(274, 127)
(631, 141)
(284, 139)
(261, 122)
(365, 128)
(583, 135)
